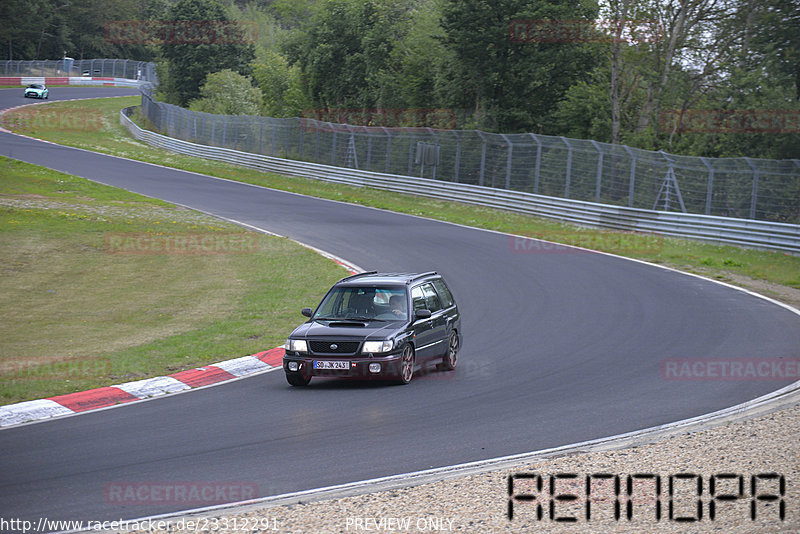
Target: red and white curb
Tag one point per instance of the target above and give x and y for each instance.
(93, 399)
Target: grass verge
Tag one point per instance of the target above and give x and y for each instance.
(103, 286)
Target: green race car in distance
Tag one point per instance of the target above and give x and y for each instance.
(36, 90)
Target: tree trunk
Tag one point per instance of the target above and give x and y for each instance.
(620, 20)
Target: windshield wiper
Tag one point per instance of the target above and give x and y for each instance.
(363, 319)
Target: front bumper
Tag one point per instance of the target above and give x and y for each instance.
(358, 366)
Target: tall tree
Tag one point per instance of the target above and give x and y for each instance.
(513, 82)
(776, 36)
(189, 63)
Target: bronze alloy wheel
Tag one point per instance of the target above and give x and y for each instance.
(451, 358)
(407, 365)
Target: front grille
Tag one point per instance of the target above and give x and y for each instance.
(342, 347)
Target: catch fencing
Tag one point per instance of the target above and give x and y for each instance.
(89, 68)
(583, 170)
(751, 233)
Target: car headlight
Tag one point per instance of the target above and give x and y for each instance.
(296, 345)
(377, 346)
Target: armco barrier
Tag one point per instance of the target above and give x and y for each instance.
(61, 80)
(743, 232)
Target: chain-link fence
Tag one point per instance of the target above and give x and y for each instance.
(546, 165)
(67, 67)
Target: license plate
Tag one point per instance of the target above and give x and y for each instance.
(331, 365)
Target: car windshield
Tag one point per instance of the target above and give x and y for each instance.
(364, 304)
(35, 86)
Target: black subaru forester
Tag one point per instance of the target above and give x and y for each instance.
(376, 326)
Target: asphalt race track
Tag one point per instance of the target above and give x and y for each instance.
(559, 347)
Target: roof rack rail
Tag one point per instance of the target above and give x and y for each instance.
(357, 275)
(423, 275)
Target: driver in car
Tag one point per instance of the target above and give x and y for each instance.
(398, 305)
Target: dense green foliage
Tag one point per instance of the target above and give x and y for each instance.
(189, 63)
(707, 58)
(228, 93)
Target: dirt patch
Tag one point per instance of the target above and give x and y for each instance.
(786, 294)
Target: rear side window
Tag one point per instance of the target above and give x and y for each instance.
(418, 298)
(431, 298)
(444, 293)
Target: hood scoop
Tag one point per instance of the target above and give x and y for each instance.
(346, 324)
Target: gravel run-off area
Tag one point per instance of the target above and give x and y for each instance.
(764, 445)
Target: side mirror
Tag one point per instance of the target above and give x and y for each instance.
(307, 312)
(422, 314)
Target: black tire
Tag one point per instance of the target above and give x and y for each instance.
(450, 359)
(297, 379)
(406, 365)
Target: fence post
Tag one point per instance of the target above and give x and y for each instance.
(632, 178)
(302, 136)
(213, 131)
(388, 147)
(483, 157)
(569, 166)
(458, 155)
(508, 161)
(316, 141)
(224, 131)
(261, 134)
(368, 165)
(411, 147)
(710, 185)
(670, 181)
(351, 156)
(436, 144)
(272, 128)
(754, 195)
(538, 163)
(797, 163)
(333, 147)
(599, 171)
(286, 126)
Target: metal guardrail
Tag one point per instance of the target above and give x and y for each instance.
(553, 166)
(723, 230)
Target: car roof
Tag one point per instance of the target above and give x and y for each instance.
(376, 278)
